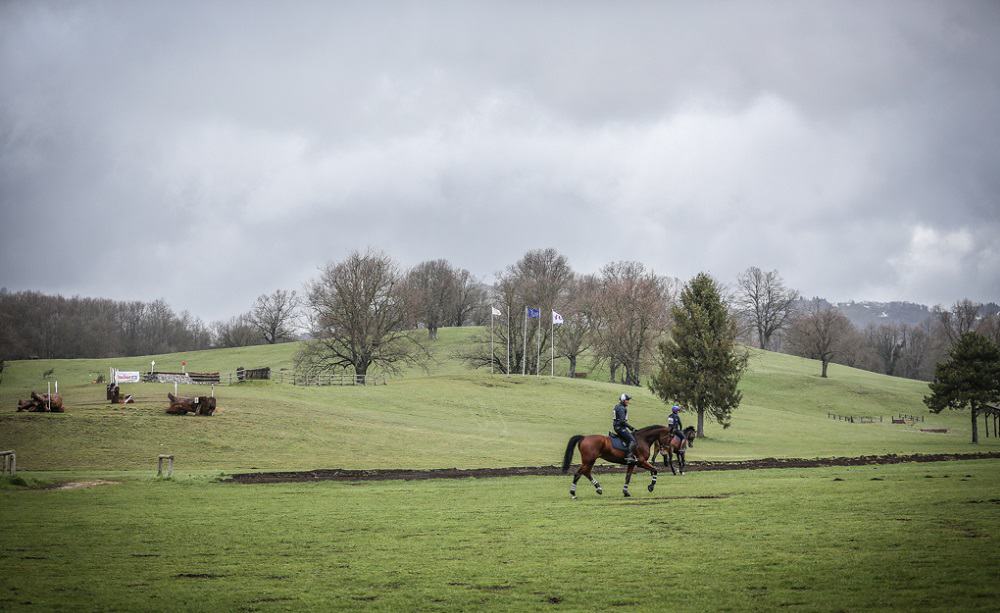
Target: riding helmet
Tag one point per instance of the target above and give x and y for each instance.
(676, 409)
(624, 397)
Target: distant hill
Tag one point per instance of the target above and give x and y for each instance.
(861, 314)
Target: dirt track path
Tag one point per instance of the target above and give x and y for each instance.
(338, 474)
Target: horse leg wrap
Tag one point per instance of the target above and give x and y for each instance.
(597, 486)
(625, 491)
(652, 483)
(572, 489)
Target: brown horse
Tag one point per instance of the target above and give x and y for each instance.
(599, 446)
(678, 444)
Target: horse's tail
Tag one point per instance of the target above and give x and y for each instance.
(569, 450)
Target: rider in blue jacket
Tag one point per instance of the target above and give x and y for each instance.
(674, 421)
(622, 428)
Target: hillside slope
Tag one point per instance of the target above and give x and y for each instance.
(445, 416)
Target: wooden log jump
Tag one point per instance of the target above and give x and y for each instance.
(42, 403)
(856, 419)
(199, 405)
(250, 374)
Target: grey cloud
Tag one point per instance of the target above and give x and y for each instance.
(239, 146)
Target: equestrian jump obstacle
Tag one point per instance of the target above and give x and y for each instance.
(9, 462)
(869, 419)
(170, 465)
(303, 379)
(990, 411)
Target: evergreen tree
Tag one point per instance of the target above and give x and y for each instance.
(969, 377)
(700, 366)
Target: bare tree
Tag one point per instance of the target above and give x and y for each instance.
(470, 296)
(575, 336)
(630, 312)
(238, 331)
(359, 314)
(432, 291)
(819, 333)
(957, 321)
(915, 362)
(764, 302)
(989, 326)
(888, 341)
(274, 315)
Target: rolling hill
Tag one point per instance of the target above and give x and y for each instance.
(443, 416)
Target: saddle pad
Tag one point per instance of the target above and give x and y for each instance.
(617, 442)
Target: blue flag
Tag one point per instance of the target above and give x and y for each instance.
(534, 313)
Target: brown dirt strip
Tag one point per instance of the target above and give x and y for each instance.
(343, 474)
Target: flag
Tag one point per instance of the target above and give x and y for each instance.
(556, 318)
(496, 311)
(534, 313)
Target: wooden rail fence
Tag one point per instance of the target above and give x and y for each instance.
(869, 419)
(323, 379)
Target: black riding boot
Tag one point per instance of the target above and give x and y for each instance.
(630, 456)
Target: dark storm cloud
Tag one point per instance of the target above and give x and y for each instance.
(161, 149)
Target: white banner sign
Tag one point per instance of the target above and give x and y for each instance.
(127, 377)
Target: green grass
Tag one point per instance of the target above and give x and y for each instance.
(444, 416)
(919, 537)
(902, 537)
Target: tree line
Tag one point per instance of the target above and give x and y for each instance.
(614, 317)
(36, 325)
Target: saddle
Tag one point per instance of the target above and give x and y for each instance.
(617, 442)
(680, 441)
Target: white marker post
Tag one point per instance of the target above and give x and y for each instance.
(175, 388)
(49, 398)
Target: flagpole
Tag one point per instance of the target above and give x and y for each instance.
(492, 355)
(552, 338)
(508, 340)
(538, 360)
(524, 353)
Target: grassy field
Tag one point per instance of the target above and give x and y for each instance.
(443, 416)
(902, 537)
(898, 537)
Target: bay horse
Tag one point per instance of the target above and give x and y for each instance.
(597, 446)
(677, 444)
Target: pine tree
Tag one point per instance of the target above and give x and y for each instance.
(700, 366)
(969, 377)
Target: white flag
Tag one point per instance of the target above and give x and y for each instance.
(556, 318)
(496, 311)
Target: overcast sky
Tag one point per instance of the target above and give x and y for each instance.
(206, 153)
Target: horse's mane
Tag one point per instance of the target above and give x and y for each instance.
(648, 428)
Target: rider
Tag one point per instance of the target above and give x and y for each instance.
(622, 427)
(674, 421)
